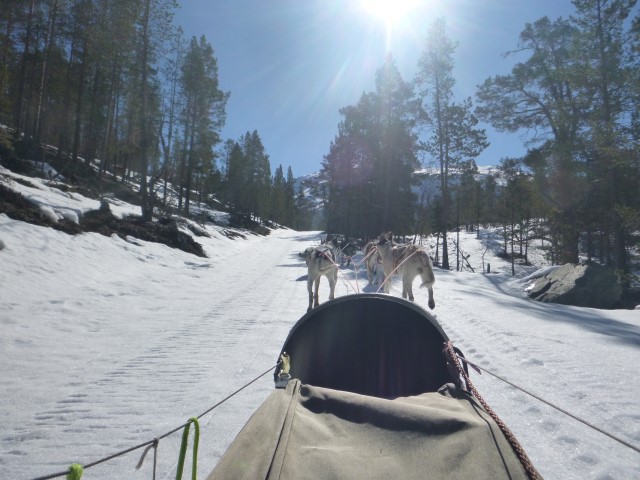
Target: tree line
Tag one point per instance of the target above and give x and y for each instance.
(117, 81)
(573, 93)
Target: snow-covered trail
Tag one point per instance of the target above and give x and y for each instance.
(541, 348)
(134, 355)
(112, 343)
(549, 350)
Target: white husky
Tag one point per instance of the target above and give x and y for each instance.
(320, 261)
(408, 261)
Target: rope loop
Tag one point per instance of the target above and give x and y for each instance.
(454, 359)
(183, 448)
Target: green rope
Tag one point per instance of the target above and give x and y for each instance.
(183, 448)
(75, 472)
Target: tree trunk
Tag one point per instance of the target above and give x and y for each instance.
(63, 136)
(5, 55)
(147, 211)
(45, 63)
(458, 235)
(18, 118)
(80, 101)
(105, 151)
(187, 198)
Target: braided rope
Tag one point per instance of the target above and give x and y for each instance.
(364, 259)
(531, 471)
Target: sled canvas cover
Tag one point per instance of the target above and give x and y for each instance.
(370, 397)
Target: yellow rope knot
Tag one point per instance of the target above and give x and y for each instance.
(75, 472)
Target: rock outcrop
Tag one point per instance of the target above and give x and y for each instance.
(588, 285)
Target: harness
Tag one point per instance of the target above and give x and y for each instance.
(373, 248)
(399, 259)
(326, 252)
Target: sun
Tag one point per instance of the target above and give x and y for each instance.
(391, 12)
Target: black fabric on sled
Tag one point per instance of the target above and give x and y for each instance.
(308, 432)
(369, 344)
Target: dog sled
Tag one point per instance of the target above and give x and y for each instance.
(369, 386)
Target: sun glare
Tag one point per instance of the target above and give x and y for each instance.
(390, 11)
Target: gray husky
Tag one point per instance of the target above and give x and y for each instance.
(408, 261)
(320, 261)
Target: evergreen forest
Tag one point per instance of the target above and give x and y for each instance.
(114, 85)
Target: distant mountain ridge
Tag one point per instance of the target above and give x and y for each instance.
(427, 189)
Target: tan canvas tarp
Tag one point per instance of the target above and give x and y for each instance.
(307, 432)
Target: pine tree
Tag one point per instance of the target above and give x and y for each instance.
(290, 213)
(204, 111)
(50, 40)
(247, 178)
(170, 107)
(278, 196)
(9, 22)
(236, 191)
(21, 82)
(369, 168)
(454, 135)
(606, 80)
(541, 95)
(262, 176)
(119, 56)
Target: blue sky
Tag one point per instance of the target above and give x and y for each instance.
(290, 65)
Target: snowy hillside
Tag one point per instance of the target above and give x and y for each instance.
(426, 190)
(108, 343)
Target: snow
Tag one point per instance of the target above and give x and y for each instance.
(107, 343)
